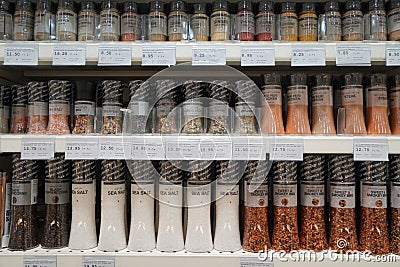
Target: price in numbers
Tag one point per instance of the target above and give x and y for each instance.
(287, 151)
(13, 54)
(370, 150)
(21, 54)
(305, 56)
(252, 55)
(32, 261)
(392, 55)
(106, 148)
(361, 149)
(97, 262)
(37, 150)
(206, 55)
(158, 55)
(115, 55)
(69, 55)
(353, 55)
(75, 149)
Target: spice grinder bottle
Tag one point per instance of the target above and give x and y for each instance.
(375, 21)
(131, 22)
(139, 113)
(60, 96)
(85, 108)
(330, 22)
(193, 108)
(167, 94)
(218, 110)
(352, 22)
(6, 32)
(265, 22)
(288, 24)
(19, 119)
(98, 121)
(23, 21)
(88, 21)
(5, 209)
(5, 101)
(38, 107)
(245, 107)
(393, 21)
(308, 23)
(112, 104)
(394, 174)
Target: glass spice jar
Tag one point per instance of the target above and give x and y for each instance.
(352, 22)
(376, 21)
(393, 20)
(333, 22)
(265, 22)
(139, 92)
(178, 21)
(245, 107)
(5, 101)
(166, 92)
(24, 223)
(245, 24)
(218, 109)
(112, 104)
(45, 19)
(6, 19)
(394, 174)
(59, 107)
(272, 119)
(5, 212)
(157, 21)
(57, 202)
(88, 21)
(109, 21)
(200, 23)
(395, 104)
(66, 21)
(288, 27)
(85, 108)
(312, 194)
(19, 112)
(131, 23)
(38, 107)
(220, 21)
(308, 23)
(23, 21)
(193, 108)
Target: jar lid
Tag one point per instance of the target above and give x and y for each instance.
(85, 90)
(43, 4)
(377, 79)
(200, 8)
(285, 171)
(219, 90)
(130, 6)
(265, 6)
(177, 6)
(66, 4)
(87, 5)
(298, 79)
(342, 168)
(308, 7)
(220, 5)
(332, 6)
(353, 79)
(138, 90)
(245, 4)
(312, 168)
(376, 5)
(4, 6)
(157, 6)
(112, 90)
(99, 94)
(322, 79)
(60, 90)
(83, 171)
(353, 5)
(108, 4)
(273, 78)
(394, 4)
(38, 91)
(23, 4)
(288, 6)
(19, 94)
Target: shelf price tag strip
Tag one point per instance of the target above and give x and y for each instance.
(37, 149)
(115, 55)
(115, 148)
(40, 261)
(214, 149)
(257, 55)
(353, 55)
(147, 148)
(182, 149)
(79, 149)
(370, 149)
(209, 54)
(90, 261)
(392, 55)
(286, 150)
(255, 262)
(248, 149)
(69, 55)
(21, 54)
(158, 55)
(307, 55)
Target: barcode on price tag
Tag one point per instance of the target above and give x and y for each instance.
(114, 55)
(88, 261)
(21, 54)
(254, 262)
(158, 55)
(183, 149)
(286, 151)
(209, 55)
(148, 149)
(308, 56)
(353, 55)
(215, 150)
(37, 149)
(392, 55)
(257, 55)
(114, 149)
(370, 150)
(77, 149)
(40, 261)
(69, 55)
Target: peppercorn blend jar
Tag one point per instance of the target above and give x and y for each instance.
(88, 21)
(220, 21)
(200, 23)
(38, 107)
(394, 174)
(112, 104)
(178, 21)
(131, 22)
(109, 21)
(265, 22)
(23, 21)
(66, 21)
(158, 26)
(45, 20)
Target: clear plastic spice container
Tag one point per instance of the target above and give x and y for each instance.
(24, 224)
(220, 21)
(6, 25)
(288, 24)
(245, 107)
(265, 22)
(352, 22)
(178, 21)
(394, 174)
(308, 23)
(112, 104)
(5, 101)
(166, 92)
(23, 21)
(272, 120)
(312, 194)
(85, 108)
(88, 21)
(330, 23)
(245, 21)
(57, 202)
(66, 21)
(218, 110)
(38, 107)
(109, 21)
(395, 104)
(200, 23)
(59, 107)
(45, 21)
(393, 20)
(158, 25)
(285, 234)
(19, 110)
(374, 235)
(131, 23)
(375, 21)
(193, 108)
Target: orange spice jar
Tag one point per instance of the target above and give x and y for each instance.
(288, 22)
(308, 23)
(130, 22)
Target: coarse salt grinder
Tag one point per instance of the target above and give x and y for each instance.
(38, 107)
(60, 95)
(138, 108)
(84, 108)
(113, 207)
(112, 104)
(83, 224)
(19, 119)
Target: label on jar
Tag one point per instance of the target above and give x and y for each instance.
(220, 22)
(380, 23)
(130, 23)
(18, 111)
(164, 109)
(56, 193)
(285, 195)
(198, 195)
(158, 24)
(297, 95)
(265, 23)
(87, 109)
(84, 193)
(139, 108)
(321, 96)
(112, 111)
(24, 192)
(23, 22)
(227, 190)
(377, 97)
(393, 20)
(395, 97)
(343, 195)
(6, 25)
(177, 23)
(193, 109)
(245, 23)
(352, 24)
(308, 26)
(395, 195)
(113, 193)
(43, 21)
(244, 110)
(170, 194)
(218, 110)
(272, 94)
(66, 21)
(7, 214)
(373, 196)
(5, 112)
(138, 190)
(39, 109)
(109, 23)
(312, 194)
(352, 95)
(200, 25)
(288, 25)
(334, 24)
(87, 23)
(257, 198)
(58, 109)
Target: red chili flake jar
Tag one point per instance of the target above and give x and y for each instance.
(265, 21)
(245, 21)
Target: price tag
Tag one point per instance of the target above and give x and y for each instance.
(115, 55)
(88, 261)
(254, 262)
(37, 150)
(215, 150)
(79, 149)
(69, 55)
(251, 149)
(39, 261)
(257, 55)
(392, 55)
(209, 55)
(286, 151)
(114, 149)
(148, 149)
(21, 54)
(183, 149)
(308, 56)
(353, 55)
(370, 150)
(158, 55)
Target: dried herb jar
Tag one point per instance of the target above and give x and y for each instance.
(109, 22)
(66, 21)
(88, 21)
(157, 27)
(178, 21)
(45, 20)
